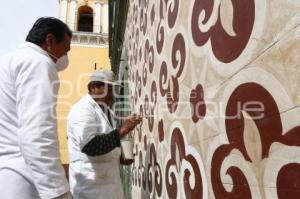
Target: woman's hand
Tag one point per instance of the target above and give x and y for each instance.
(130, 123)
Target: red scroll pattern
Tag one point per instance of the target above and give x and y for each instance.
(148, 61)
(172, 94)
(143, 16)
(288, 181)
(148, 49)
(154, 173)
(225, 47)
(173, 13)
(172, 186)
(149, 177)
(160, 34)
(270, 131)
(198, 106)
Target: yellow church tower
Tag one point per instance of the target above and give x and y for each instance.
(88, 19)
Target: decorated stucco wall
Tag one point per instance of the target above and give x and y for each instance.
(218, 84)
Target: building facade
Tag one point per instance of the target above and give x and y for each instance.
(217, 83)
(88, 19)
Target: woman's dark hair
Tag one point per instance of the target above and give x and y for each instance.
(94, 84)
(45, 25)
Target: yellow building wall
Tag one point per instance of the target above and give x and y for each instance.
(73, 85)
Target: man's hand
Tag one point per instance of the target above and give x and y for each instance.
(130, 123)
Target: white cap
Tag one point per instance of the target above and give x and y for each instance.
(105, 76)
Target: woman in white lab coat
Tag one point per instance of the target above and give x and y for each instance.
(94, 141)
(30, 166)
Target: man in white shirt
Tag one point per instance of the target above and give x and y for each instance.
(30, 166)
(94, 141)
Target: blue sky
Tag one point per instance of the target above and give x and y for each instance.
(17, 17)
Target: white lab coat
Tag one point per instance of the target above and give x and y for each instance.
(29, 148)
(90, 177)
